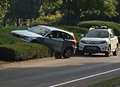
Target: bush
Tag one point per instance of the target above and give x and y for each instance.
(22, 51)
(113, 25)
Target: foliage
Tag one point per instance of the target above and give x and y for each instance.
(113, 25)
(90, 8)
(4, 6)
(74, 9)
(51, 18)
(50, 7)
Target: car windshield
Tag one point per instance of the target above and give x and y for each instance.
(98, 34)
(39, 30)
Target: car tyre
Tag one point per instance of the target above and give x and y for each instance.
(58, 55)
(67, 53)
(107, 54)
(81, 53)
(90, 54)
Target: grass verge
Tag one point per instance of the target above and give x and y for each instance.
(115, 82)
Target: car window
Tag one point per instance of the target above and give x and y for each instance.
(53, 34)
(98, 34)
(60, 35)
(67, 36)
(39, 30)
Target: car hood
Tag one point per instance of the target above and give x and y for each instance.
(25, 33)
(94, 39)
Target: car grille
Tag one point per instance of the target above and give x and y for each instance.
(91, 49)
(93, 42)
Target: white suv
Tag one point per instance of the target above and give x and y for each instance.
(99, 40)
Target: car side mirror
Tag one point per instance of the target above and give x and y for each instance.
(111, 36)
(82, 35)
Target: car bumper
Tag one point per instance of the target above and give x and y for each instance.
(93, 48)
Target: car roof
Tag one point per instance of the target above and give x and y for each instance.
(53, 29)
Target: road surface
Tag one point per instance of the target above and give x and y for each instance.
(73, 72)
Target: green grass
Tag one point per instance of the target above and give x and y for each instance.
(115, 82)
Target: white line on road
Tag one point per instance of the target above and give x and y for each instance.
(87, 77)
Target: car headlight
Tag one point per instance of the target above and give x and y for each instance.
(103, 42)
(82, 41)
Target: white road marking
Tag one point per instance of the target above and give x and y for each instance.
(87, 77)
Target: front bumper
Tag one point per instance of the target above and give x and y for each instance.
(93, 48)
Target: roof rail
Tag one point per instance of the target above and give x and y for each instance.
(98, 27)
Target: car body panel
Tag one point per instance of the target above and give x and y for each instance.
(26, 33)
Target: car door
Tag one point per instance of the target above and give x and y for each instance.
(113, 41)
(68, 40)
(53, 41)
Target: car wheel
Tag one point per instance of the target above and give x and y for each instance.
(115, 53)
(90, 54)
(67, 53)
(81, 53)
(107, 54)
(58, 55)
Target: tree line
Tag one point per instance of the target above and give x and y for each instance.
(75, 10)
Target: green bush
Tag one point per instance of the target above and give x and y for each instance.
(22, 51)
(113, 25)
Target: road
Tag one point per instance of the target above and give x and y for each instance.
(73, 72)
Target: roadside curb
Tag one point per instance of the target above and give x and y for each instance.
(7, 63)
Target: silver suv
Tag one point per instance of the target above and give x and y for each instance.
(99, 40)
(62, 42)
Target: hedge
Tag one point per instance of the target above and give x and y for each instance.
(113, 25)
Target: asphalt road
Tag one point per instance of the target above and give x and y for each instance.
(73, 72)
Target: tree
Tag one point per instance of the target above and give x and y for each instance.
(4, 6)
(88, 8)
(50, 6)
(21, 10)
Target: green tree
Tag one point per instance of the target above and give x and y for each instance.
(87, 8)
(50, 6)
(4, 6)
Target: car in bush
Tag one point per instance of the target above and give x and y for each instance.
(62, 42)
(99, 40)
